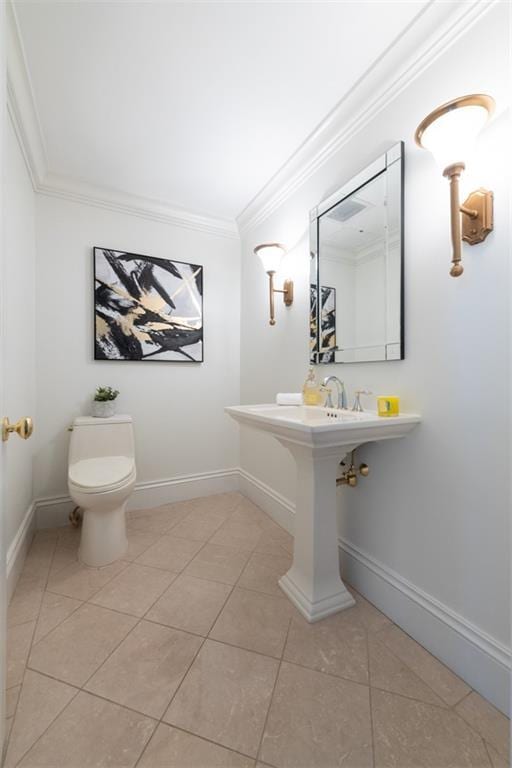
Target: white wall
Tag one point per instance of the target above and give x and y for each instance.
(18, 331)
(180, 426)
(434, 510)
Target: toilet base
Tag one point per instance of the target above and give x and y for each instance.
(103, 539)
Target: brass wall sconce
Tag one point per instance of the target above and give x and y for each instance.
(271, 255)
(450, 132)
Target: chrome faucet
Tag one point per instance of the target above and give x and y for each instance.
(342, 394)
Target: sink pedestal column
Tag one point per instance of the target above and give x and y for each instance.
(313, 582)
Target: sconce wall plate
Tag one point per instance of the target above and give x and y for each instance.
(480, 219)
(449, 132)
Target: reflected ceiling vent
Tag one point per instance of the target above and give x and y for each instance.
(347, 209)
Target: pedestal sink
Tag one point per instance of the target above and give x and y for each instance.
(318, 439)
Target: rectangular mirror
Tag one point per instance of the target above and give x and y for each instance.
(356, 245)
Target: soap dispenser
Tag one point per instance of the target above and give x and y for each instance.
(311, 391)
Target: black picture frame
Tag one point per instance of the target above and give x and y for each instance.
(120, 299)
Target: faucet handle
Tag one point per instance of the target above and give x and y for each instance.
(357, 399)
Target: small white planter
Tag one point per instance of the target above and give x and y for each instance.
(103, 409)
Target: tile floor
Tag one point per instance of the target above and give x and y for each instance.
(186, 654)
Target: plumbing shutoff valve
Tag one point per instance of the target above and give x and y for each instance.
(351, 473)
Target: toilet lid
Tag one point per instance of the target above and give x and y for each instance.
(102, 472)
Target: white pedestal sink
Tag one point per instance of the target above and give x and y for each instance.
(318, 439)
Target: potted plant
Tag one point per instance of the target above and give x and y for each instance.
(104, 404)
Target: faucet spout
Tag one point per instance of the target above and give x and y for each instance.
(341, 391)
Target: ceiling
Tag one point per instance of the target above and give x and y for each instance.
(197, 104)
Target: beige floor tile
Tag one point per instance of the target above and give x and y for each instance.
(497, 760)
(491, 724)
(139, 542)
(171, 748)
(38, 560)
(41, 700)
(91, 733)
(8, 728)
(270, 545)
(336, 645)
(25, 602)
(249, 514)
(11, 700)
(218, 563)
(63, 557)
(254, 621)
(170, 553)
(240, 535)
(78, 646)
(200, 524)
(263, 572)
(158, 520)
(219, 502)
(19, 639)
(190, 604)
(68, 536)
(442, 681)
(144, 672)
(409, 734)
(134, 590)
(388, 673)
(317, 721)
(54, 609)
(75, 580)
(367, 614)
(225, 697)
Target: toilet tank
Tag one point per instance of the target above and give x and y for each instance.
(94, 437)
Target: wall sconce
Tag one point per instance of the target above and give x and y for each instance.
(271, 255)
(450, 132)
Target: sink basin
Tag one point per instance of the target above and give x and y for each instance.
(318, 439)
(322, 426)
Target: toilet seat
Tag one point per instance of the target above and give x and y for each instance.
(106, 473)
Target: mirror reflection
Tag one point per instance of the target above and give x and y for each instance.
(356, 286)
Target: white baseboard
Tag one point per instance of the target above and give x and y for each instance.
(274, 504)
(53, 511)
(18, 549)
(482, 661)
(477, 658)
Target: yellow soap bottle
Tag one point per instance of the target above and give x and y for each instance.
(311, 393)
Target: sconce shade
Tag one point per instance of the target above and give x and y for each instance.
(451, 130)
(271, 255)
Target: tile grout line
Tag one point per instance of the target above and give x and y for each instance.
(451, 672)
(32, 636)
(27, 667)
(271, 699)
(372, 729)
(166, 708)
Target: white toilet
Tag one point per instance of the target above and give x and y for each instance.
(101, 477)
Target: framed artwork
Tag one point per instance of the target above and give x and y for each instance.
(326, 314)
(147, 308)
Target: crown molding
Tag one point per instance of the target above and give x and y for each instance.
(21, 105)
(22, 110)
(431, 33)
(66, 188)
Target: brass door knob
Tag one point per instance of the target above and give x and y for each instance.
(24, 428)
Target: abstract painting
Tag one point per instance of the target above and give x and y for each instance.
(327, 312)
(147, 308)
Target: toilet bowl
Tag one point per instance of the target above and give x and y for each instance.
(101, 477)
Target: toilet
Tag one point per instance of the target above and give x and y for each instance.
(101, 477)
